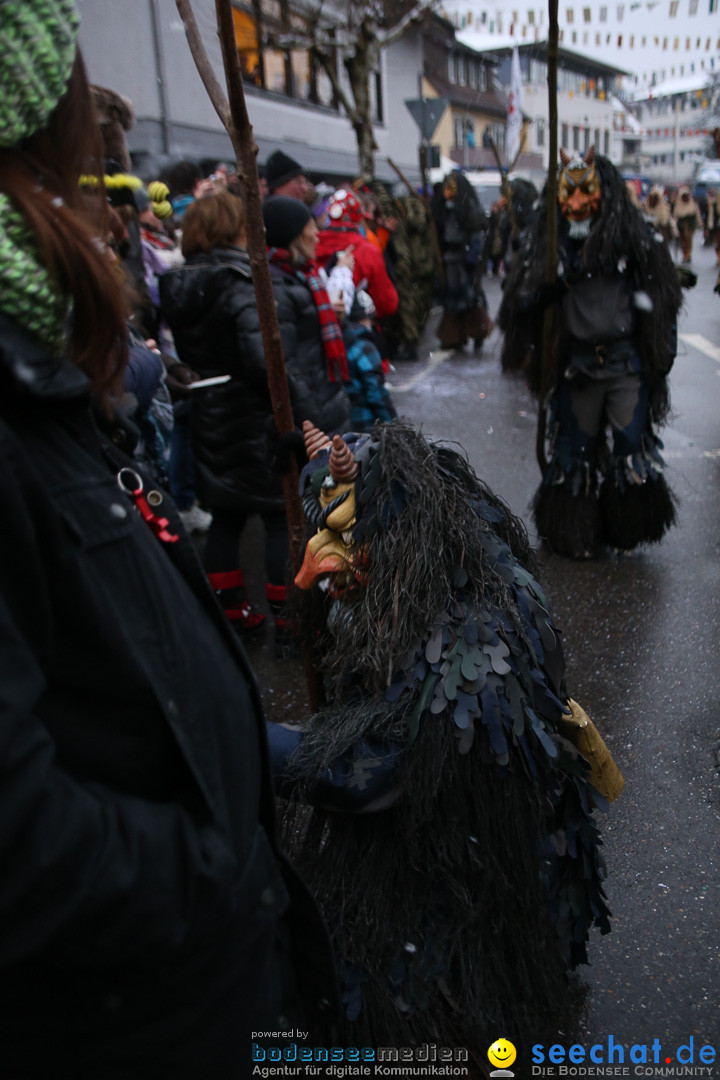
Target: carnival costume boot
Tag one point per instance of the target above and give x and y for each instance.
(285, 637)
(229, 586)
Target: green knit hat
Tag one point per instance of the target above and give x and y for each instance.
(37, 52)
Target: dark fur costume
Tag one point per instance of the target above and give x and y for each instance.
(456, 912)
(635, 504)
(459, 221)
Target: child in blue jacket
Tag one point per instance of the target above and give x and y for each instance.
(369, 397)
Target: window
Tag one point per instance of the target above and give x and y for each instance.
(586, 140)
(376, 99)
(606, 144)
(576, 138)
(571, 16)
(540, 132)
(458, 131)
(674, 5)
(293, 72)
(531, 18)
(472, 75)
(692, 10)
(462, 71)
(246, 40)
(587, 14)
(565, 135)
(603, 14)
(597, 138)
(620, 12)
(452, 69)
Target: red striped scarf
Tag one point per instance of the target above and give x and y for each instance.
(330, 331)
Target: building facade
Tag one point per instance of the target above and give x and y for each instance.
(586, 98)
(676, 134)
(139, 49)
(476, 110)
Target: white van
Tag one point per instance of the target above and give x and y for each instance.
(488, 185)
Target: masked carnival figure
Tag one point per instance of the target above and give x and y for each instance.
(451, 842)
(615, 306)
(460, 222)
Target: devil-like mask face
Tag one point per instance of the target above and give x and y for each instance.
(331, 554)
(579, 190)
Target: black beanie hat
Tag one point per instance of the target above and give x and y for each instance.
(284, 219)
(280, 168)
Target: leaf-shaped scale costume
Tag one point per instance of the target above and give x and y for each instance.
(451, 843)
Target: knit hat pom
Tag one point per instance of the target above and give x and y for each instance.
(284, 219)
(36, 62)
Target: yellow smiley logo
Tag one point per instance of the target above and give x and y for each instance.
(502, 1053)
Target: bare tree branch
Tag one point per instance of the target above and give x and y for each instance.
(397, 31)
(361, 38)
(326, 62)
(202, 63)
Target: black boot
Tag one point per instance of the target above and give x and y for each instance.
(285, 638)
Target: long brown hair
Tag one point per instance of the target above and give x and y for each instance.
(40, 176)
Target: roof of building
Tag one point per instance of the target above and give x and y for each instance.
(629, 122)
(683, 85)
(499, 43)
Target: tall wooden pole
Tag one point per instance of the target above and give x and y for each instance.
(243, 140)
(546, 365)
(234, 116)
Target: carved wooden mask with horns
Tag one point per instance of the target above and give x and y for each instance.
(579, 186)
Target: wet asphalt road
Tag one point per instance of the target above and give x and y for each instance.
(641, 640)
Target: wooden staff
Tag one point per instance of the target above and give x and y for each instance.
(234, 116)
(546, 365)
(506, 187)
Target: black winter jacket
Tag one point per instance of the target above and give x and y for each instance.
(210, 307)
(147, 922)
(323, 402)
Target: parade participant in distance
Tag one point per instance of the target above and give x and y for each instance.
(615, 307)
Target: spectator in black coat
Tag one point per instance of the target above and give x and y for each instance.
(311, 335)
(149, 923)
(210, 307)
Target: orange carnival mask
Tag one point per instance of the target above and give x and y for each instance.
(579, 192)
(331, 554)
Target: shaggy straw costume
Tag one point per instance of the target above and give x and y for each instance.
(457, 909)
(617, 339)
